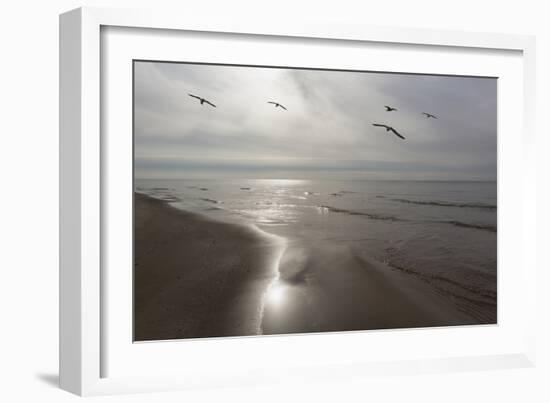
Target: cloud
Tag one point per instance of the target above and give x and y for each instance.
(327, 129)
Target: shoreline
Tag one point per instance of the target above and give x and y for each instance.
(196, 277)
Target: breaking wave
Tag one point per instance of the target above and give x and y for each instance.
(210, 200)
(359, 213)
(445, 204)
(484, 227)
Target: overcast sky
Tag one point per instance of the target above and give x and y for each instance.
(327, 131)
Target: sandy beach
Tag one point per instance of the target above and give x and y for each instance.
(195, 277)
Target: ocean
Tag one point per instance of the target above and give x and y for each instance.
(441, 233)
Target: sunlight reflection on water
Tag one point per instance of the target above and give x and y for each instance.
(281, 182)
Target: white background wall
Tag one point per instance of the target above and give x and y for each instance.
(28, 221)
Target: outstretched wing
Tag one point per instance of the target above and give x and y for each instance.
(397, 134)
(209, 103)
(271, 102)
(194, 96)
(283, 107)
(379, 125)
(433, 116)
(388, 108)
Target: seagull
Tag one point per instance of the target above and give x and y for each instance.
(202, 100)
(277, 105)
(429, 115)
(389, 128)
(389, 108)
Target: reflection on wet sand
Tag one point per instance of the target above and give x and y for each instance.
(275, 296)
(333, 288)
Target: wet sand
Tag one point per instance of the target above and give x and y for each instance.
(327, 287)
(199, 278)
(195, 277)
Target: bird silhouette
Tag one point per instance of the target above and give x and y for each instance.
(203, 101)
(277, 105)
(389, 108)
(389, 129)
(429, 115)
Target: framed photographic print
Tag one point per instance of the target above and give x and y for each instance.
(243, 204)
(314, 212)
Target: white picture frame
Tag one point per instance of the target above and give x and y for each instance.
(83, 342)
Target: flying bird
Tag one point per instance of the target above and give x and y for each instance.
(388, 129)
(429, 115)
(277, 105)
(389, 108)
(203, 101)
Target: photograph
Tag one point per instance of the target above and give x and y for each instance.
(271, 200)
